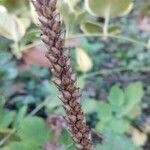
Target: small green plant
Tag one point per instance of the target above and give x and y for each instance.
(122, 107)
(116, 142)
(116, 115)
(22, 131)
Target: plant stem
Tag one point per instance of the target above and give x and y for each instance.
(38, 108)
(106, 23)
(119, 37)
(116, 70)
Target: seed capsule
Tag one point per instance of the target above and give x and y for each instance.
(43, 20)
(63, 99)
(45, 39)
(72, 118)
(52, 58)
(57, 82)
(58, 68)
(66, 94)
(36, 4)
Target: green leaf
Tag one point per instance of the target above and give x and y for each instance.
(89, 105)
(134, 92)
(2, 103)
(22, 146)
(133, 96)
(116, 142)
(11, 27)
(65, 138)
(5, 57)
(104, 111)
(20, 115)
(111, 8)
(71, 17)
(72, 4)
(81, 81)
(101, 126)
(67, 15)
(114, 29)
(6, 118)
(33, 129)
(89, 27)
(134, 113)
(119, 125)
(116, 96)
(81, 16)
(13, 5)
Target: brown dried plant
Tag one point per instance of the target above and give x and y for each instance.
(60, 66)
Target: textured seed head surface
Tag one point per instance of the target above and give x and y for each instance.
(60, 66)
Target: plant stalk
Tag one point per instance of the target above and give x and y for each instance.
(106, 23)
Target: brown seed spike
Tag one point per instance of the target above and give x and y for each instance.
(43, 20)
(45, 39)
(52, 4)
(57, 82)
(60, 65)
(52, 58)
(61, 97)
(36, 4)
(57, 18)
(62, 35)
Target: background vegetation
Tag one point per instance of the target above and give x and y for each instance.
(110, 49)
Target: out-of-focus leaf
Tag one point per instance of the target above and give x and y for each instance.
(89, 105)
(34, 14)
(2, 8)
(13, 5)
(119, 126)
(116, 96)
(7, 118)
(21, 146)
(72, 4)
(116, 125)
(20, 115)
(116, 142)
(134, 113)
(11, 27)
(104, 111)
(67, 15)
(31, 126)
(7, 67)
(111, 8)
(114, 29)
(2, 103)
(81, 17)
(81, 81)
(71, 18)
(65, 138)
(84, 62)
(133, 95)
(89, 27)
